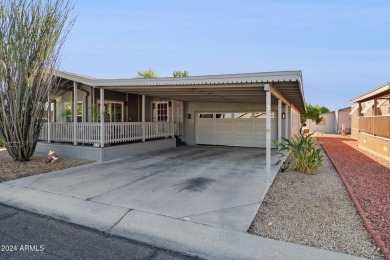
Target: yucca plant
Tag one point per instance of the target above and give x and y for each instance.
(304, 155)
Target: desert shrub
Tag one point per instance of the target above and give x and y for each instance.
(304, 155)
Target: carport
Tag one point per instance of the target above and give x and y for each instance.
(267, 89)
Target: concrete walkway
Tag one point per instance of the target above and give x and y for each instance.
(195, 200)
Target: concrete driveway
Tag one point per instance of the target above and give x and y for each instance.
(197, 200)
(219, 186)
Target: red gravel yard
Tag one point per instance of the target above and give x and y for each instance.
(367, 178)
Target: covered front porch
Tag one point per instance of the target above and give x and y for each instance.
(245, 110)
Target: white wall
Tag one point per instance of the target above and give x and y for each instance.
(328, 128)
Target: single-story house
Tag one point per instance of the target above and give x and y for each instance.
(333, 122)
(370, 117)
(102, 119)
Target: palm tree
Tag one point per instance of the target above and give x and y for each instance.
(147, 74)
(179, 74)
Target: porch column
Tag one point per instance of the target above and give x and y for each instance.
(74, 113)
(48, 118)
(102, 129)
(172, 120)
(280, 120)
(375, 107)
(143, 119)
(287, 124)
(267, 133)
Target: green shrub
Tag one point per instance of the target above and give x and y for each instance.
(304, 155)
(1, 142)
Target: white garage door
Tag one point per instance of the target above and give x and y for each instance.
(233, 128)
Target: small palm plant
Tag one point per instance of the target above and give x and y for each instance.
(304, 155)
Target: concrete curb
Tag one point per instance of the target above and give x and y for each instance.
(86, 213)
(377, 238)
(210, 242)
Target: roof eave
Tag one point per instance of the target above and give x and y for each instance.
(373, 93)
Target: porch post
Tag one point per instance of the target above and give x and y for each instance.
(287, 124)
(267, 133)
(173, 121)
(143, 119)
(74, 113)
(102, 129)
(48, 118)
(279, 120)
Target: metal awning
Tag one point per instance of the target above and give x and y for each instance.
(240, 88)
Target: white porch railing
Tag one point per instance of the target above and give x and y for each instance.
(89, 133)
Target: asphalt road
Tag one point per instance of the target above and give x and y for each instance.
(24, 235)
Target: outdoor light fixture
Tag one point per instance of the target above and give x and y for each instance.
(188, 116)
(283, 115)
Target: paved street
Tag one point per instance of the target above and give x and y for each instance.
(35, 236)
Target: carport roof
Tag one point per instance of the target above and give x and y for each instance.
(243, 87)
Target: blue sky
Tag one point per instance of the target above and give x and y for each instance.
(342, 47)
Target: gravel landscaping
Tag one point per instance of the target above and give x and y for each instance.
(314, 210)
(10, 170)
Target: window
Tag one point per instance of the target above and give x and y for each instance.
(242, 115)
(113, 111)
(223, 115)
(206, 115)
(263, 115)
(66, 114)
(160, 111)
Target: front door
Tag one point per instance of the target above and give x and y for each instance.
(160, 112)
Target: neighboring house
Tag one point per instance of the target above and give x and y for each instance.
(333, 122)
(370, 117)
(248, 109)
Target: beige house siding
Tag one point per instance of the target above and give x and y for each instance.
(377, 145)
(295, 121)
(355, 124)
(384, 109)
